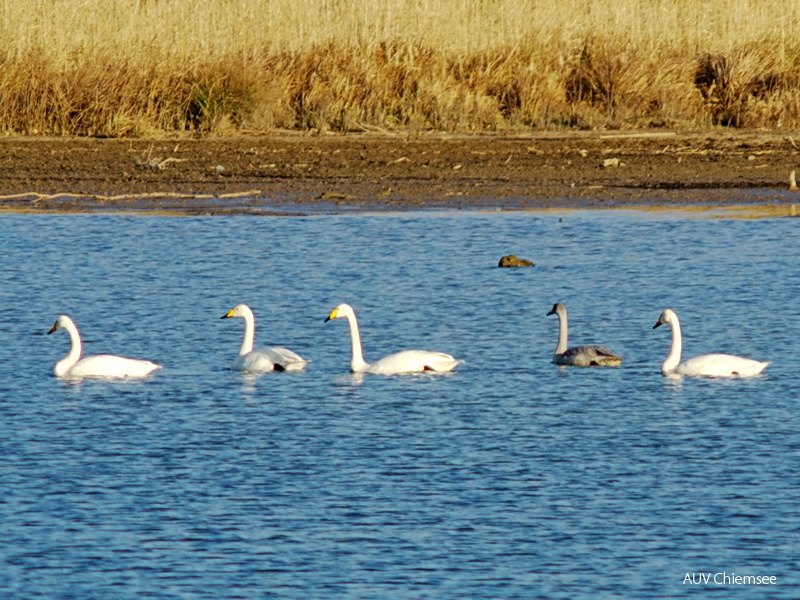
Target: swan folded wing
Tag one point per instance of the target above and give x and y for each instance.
(414, 361)
(269, 359)
(108, 365)
(588, 356)
(289, 360)
(720, 365)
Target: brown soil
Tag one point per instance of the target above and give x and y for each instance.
(297, 174)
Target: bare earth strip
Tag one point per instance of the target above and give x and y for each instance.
(286, 173)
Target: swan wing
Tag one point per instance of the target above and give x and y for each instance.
(414, 361)
(289, 360)
(720, 365)
(108, 365)
(588, 356)
(269, 359)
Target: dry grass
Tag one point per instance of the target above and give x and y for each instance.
(146, 67)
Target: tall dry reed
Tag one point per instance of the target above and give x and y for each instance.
(146, 67)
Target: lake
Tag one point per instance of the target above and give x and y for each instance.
(509, 478)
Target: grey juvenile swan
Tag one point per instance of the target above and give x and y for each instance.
(579, 356)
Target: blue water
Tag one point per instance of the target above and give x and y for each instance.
(511, 478)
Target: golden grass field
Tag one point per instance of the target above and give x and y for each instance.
(154, 67)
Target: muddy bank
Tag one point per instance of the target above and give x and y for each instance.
(296, 174)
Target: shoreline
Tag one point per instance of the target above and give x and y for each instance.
(297, 174)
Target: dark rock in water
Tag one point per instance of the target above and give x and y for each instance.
(514, 261)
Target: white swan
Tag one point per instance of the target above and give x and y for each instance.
(101, 365)
(262, 359)
(579, 356)
(405, 361)
(710, 365)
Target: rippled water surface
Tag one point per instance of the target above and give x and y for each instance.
(511, 478)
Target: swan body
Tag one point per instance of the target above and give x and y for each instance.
(708, 365)
(579, 356)
(261, 359)
(101, 365)
(405, 361)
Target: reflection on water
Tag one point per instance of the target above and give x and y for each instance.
(509, 478)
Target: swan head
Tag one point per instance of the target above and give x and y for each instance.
(558, 309)
(240, 310)
(341, 311)
(666, 317)
(62, 322)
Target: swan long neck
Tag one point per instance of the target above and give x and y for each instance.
(674, 356)
(74, 353)
(249, 333)
(357, 362)
(563, 329)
